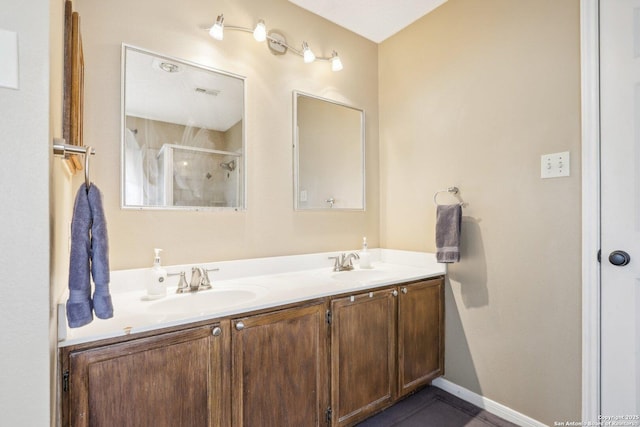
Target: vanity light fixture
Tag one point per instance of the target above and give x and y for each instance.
(217, 31)
(336, 63)
(276, 42)
(307, 55)
(260, 32)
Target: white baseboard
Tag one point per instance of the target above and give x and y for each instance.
(487, 404)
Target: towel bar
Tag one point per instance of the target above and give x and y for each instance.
(64, 150)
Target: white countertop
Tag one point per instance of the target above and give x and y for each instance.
(243, 286)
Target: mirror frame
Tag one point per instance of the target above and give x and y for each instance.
(123, 117)
(296, 152)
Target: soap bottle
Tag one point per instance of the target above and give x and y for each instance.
(365, 255)
(157, 280)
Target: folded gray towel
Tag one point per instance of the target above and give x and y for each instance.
(79, 308)
(448, 227)
(102, 304)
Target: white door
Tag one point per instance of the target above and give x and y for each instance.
(620, 196)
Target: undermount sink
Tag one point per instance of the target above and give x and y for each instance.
(359, 276)
(203, 302)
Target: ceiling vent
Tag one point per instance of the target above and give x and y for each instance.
(212, 92)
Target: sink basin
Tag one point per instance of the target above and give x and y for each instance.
(203, 302)
(360, 276)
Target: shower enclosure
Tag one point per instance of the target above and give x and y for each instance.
(191, 176)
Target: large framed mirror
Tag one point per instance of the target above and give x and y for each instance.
(329, 154)
(183, 134)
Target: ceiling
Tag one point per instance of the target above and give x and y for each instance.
(191, 95)
(375, 20)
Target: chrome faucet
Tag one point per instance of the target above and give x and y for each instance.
(197, 275)
(205, 283)
(199, 280)
(344, 262)
(183, 286)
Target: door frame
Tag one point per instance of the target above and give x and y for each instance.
(591, 277)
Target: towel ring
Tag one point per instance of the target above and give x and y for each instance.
(451, 190)
(87, 156)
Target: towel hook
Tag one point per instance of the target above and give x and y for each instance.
(87, 156)
(451, 190)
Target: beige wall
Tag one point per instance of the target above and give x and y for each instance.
(471, 95)
(233, 138)
(269, 226)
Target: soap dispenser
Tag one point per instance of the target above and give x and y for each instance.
(365, 255)
(157, 279)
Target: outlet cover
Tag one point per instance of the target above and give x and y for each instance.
(555, 165)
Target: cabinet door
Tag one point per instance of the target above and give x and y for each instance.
(363, 352)
(167, 380)
(420, 334)
(280, 366)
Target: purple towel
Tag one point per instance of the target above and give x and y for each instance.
(448, 227)
(79, 308)
(102, 305)
(89, 257)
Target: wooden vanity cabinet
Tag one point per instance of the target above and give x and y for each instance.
(323, 362)
(172, 379)
(280, 368)
(363, 363)
(384, 345)
(420, 334)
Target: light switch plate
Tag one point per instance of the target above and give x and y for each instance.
(8, 59)
(555, 165)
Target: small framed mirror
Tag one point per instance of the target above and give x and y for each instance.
(329, 154)
(183, 134)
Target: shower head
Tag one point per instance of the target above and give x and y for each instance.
(230, 166)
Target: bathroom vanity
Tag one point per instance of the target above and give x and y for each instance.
(353, 347)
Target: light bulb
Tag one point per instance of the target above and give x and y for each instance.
(217, 31)
(307, 54)
(260, 33)
(336, 63)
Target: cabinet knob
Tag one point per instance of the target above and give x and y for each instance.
(404, 290)
(394, 293)
(239, 326)
(217, 331)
